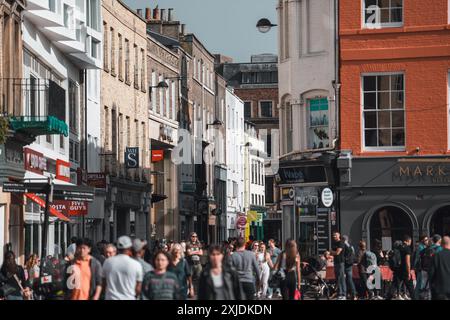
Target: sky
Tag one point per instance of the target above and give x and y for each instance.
(224, 26)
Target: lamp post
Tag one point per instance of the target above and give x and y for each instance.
(264, 25)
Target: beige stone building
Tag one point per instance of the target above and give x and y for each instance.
(125, 121)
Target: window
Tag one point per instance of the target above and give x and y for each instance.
(74, 151)
(68, 17)
(105, 47)
(265, 108)
(143, 70)
(113, 52)
(73, 107)
(247, 109)
(174, 101)
(127, 61)
(318, 124)
(269, 144)
(383, 13)
(269, 190)
(153, 91)
(136, 67)
(92, 14)
(289, 127)
(95, 48)
(120, 58)
(52, 5)
(383, 111)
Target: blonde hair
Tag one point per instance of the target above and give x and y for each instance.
(176, 246)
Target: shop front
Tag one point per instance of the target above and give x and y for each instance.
(387, 198)
(308, 205)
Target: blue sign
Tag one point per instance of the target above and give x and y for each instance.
(132, 158)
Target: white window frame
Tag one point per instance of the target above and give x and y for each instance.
(362, 129)
(381, 25)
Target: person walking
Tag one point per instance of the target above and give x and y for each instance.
(161, 284)
(366, 259)
(245, 263)
(122, 275)
(274, 252)
(265, 265)
(14, 276)
(337, 251)
(218, 281)
(289, 262)
(194, 252)
(32, 270)
(139, 247)
(439, 274)
(110, 251)
(182, 270)
(83, 278)
(349, 261)
(401, 261)
(422, 285)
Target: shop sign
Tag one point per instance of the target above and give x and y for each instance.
(62, 170)
(96, 180)
(70, 208)
(307, 174)
(435, 173)
(35, 161)
(157, 155)
(252, 216)
(241, 222)
(132, 157)
(327, 197)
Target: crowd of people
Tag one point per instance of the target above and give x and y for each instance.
(130, 269)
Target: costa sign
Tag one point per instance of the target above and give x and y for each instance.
(35, 161)
(70, 208)
(62, 170)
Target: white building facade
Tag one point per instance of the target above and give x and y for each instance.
(308, 76)
(234, 159)
(61, 40)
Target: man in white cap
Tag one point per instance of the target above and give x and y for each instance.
(122, 274)
(138, 253)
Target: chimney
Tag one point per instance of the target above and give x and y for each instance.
(170, 15)
(139, 12)
(148, 14)
(156, 14)
(183, 29)
(163, 14)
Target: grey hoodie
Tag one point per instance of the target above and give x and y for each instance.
(245, 264)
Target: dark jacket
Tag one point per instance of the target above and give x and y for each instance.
(96, 278)
(9, 279)
(440, 273)
(232, 286)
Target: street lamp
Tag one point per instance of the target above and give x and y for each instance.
(161, 85)
(264, 25)
(216, 123)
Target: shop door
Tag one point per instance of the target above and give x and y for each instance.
(307, 239)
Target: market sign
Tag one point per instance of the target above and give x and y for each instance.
(327, 197)
(70, 208)
(35, 161)
(96, 180)
(62, 170)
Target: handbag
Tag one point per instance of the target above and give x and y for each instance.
(297, 295)
(6, 290)
(277, 278)
(28, 294)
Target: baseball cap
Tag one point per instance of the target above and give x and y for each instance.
(124, 242)
(139, 244)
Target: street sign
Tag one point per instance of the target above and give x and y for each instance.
(14, 187)
(73, 195)
(327, 197)
(241, 221)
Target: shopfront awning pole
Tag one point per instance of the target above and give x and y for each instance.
(48, 200)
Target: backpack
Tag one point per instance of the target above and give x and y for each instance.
(395, 259)
(426, 258)
(349, 255)
(369, 259)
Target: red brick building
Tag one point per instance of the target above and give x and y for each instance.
(394, 137)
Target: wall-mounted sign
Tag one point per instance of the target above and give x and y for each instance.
(306, 174)
(70, 208)
(287, 193)
(241, 222)
(327, 197)
(62, 170)
(35, 161)
(132, 157)
(157, 155)
(96, 180)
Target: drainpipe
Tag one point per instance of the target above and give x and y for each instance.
(337, 81)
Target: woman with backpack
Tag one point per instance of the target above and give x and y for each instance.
(289, 262)
(366, 259)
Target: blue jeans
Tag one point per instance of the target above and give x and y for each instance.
(339, 273)
(271, 290)
(349, 280)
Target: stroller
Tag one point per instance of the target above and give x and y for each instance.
(313, 274)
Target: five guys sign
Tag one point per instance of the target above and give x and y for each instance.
(70, 208)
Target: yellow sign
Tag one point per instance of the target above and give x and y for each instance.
(252, 216)
(247, 231)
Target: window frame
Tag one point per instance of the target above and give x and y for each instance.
(260, 110)
(382, 25)
(362, 130)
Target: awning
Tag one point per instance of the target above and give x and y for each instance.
(52, 211)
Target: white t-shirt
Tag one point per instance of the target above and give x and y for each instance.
(121, 273)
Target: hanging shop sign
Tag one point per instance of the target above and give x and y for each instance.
(241, 222)
(96, 180)
(157, 155)
(35, 161)
(62, 170)
(327, 197)
(132, 157)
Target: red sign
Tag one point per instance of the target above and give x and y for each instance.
(70, 208)
(35, 161)
(241, 222)
(41, 202)
(157, 155)
(96, 180)
(62, 170)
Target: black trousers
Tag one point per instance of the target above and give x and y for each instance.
(401, 281)
(288, 286)
(249, 290)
